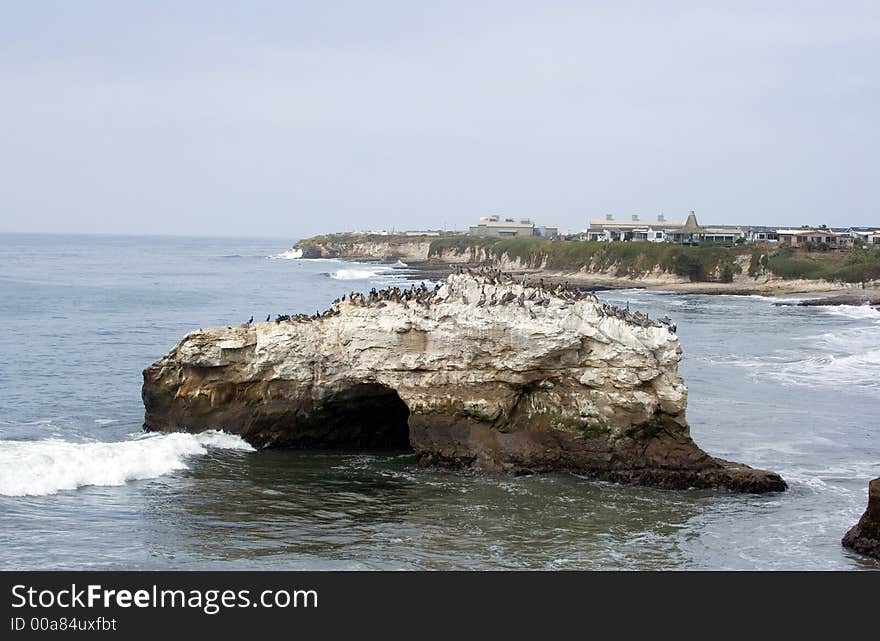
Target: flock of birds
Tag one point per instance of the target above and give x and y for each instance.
(637, 317)
(538, 296)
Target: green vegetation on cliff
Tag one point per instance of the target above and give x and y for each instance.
(625, 259)
(855, 266)
(698, 263)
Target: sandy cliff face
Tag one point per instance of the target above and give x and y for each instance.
(864, 536)
(479, 372)
(416, 249)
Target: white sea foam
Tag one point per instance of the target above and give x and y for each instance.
(846, 354)
(858, 312)
(775, 299)
(820, 369)
(290, 254)
(38, 468)
(400, 263)
(355, 274)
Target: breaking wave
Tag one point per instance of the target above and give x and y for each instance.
(845, 355)
(857, 312)
(38, 468)
(290, 254)
(355, 274)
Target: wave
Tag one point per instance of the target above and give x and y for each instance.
(856, 312)
(780, 301)
(290, 254)
(39, 468)
(400, 263)
(793, 367)
(355, 274)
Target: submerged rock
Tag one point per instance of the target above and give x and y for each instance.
(481, 372)
(864, 536)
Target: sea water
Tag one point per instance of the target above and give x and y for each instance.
(791, 389)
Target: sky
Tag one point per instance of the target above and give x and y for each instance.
(292, 118)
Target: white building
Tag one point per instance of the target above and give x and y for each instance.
(608, 230)
(688, 232)
(762, 235)
(503, 227)
(870, 237)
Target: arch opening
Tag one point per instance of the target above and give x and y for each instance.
(365, 416)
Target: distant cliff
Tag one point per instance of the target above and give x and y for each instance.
(483, 371)
(738, 268)
(367, 247)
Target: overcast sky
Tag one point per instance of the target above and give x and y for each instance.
(293, 118)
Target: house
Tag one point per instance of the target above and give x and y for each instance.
(649, 234)
(762, 235)
(868, 236)
(608, 230)
(498, 227)
(689, 232)
(800, 237)
(721, 235)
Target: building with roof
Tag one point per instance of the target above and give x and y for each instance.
(687, 232)
(762, 234)
(804, 236)
(868, 236)
(609, 229)
(495, 226)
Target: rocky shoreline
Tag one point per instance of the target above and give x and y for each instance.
(819, 293)
(417, 253)
(488, 371)
(848, 298)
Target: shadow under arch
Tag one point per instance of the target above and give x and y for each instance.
(364, 416)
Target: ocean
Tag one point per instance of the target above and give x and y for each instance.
(791, 389)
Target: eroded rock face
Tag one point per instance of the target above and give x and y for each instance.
(483, 372)
(864, 536)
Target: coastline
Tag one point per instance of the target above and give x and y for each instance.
(720, 271)
(818, 292)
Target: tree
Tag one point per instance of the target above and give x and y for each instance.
(727, 274)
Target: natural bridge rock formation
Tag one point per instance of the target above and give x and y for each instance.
(864, 536)
(482, 371)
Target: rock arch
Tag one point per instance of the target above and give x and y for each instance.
(541, 380)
